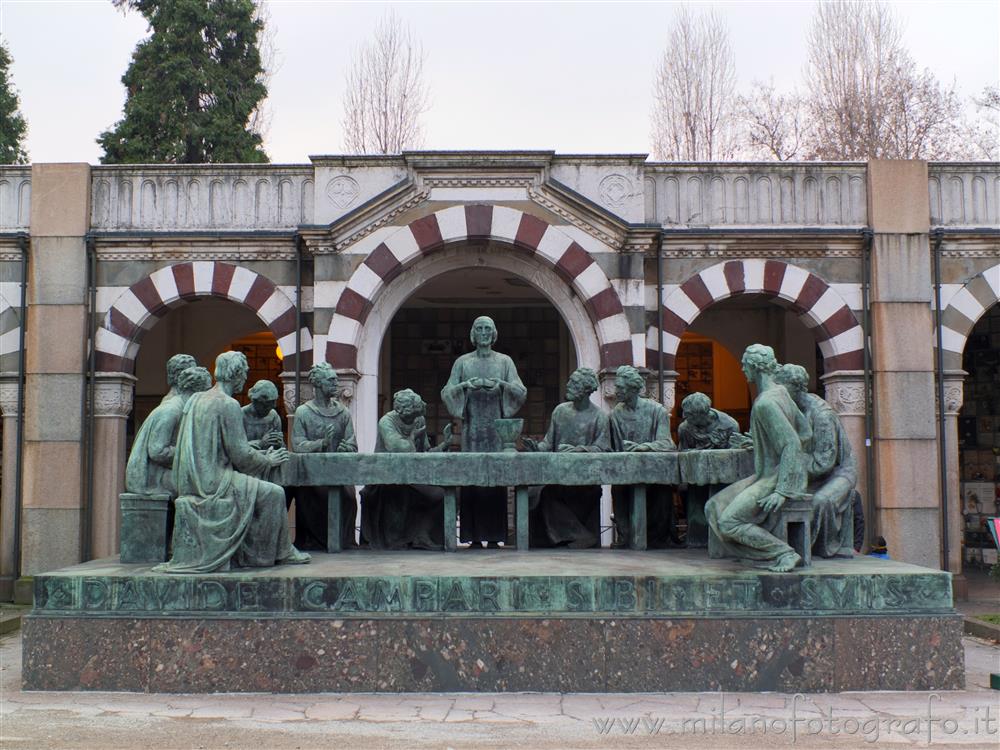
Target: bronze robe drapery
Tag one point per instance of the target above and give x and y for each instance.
(150, 464)
(257, 428)
(309, 436)
(483, 509)
(742, 529)
(401, 516)
(833, 475)
(223, 513)
(564, 514)
(648, 423)
(715, 436)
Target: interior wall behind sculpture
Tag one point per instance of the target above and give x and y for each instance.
(424, 342)
(203, 328)
(979, 439)
(740, 321)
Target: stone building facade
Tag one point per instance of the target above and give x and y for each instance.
(130, 264)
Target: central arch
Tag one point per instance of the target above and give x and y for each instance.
(403, 286)
(546, 244)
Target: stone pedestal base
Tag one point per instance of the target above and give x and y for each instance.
(644, 654)
(595, 621)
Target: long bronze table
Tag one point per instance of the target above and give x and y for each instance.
(519, 470)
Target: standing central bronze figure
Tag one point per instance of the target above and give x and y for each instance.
(484, 386)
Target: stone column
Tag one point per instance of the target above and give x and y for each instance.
(8, 492)
(844, 390)
(288, 396)
(112, 404)
(55, 368)
(669, 388)
(954, 383)
(359, 393)
(908, 499)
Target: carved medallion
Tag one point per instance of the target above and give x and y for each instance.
(342, 191)
(615, 189)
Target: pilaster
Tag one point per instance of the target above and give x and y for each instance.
(908, 486)
(954, 386)
(55, 367)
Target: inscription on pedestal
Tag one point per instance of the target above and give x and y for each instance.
(467, 596)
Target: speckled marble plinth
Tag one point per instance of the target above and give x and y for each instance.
(586, 621)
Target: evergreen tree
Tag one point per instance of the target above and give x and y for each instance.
(193, 85)
(12, 124)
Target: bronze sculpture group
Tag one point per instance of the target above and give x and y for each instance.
(220, 464)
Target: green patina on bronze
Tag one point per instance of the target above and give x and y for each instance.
(224, 512)
(640, 425)
(744, 518)
(401, 516)
(483, 386)
(149, 477)
(560, 513)
(833, 470)
(679, 583)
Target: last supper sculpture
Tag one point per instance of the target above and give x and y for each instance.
(220, 465)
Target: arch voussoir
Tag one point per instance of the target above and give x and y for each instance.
(964, 310)
(821, 308)
(478, 223)
(141, 306)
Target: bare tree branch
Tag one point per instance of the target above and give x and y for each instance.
(260, 118)
(386, 93)
(866, 98)
(693, 96)
(775, 124)
(982, 133)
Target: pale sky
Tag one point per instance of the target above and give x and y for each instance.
(574, 77)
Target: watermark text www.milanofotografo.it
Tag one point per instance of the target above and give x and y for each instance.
(928, 726)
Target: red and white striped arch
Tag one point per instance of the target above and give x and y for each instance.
(10, 330)
(818, 305)
(141, 306)
(964, 310)
(524, 231)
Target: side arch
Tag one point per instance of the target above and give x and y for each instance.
(964, 310)
(141, 306)
(525, 232)
(820, 307)
(10, 334)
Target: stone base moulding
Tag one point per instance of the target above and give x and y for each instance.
(599, 621)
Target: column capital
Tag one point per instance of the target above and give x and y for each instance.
(348, 380)
(288, 391)
(954, 391)
(8, 394)
(652, 389)
(113, 393)
(845, 392)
